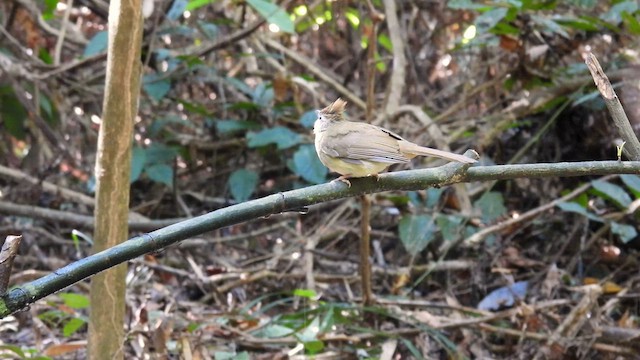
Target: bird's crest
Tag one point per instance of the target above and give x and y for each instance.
(337, 107)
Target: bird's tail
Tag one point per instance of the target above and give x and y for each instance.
(411, 148)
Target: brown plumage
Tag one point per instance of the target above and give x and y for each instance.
(357, 149)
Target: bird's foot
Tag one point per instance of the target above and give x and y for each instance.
(344, 179)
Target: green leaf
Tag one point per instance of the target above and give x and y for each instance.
(450, 226)
(195, 4)
(16, 349)
(72, 326)
(161, 173)
(159, 153)
(550, 25)
(626, 232)
(157, 88)
(416, 232)
(228, 127)
(242, 183)
(314, 347)
(576, 208)
(465, 5)
(612, 192)
(308, 166)
(97, 44)
(492, 206)
(274, 14)
(138, 160)
(489, 19)
(12, 113)
(177, 9)
(631, 22)
(632, 182)
(75, 301)
(433, 196)
(306, 293)
(273, 331)
(614, 15)
(279, 135)
(308, 119)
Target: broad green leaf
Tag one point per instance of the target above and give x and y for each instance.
(614, 15)
(433, 196)
(155, 86)
(177, 9)
(138, 160)
(465, 5)
(274, 14)
(626, 232)
(308, 166)
(632, 23)
(159, 153)
(416, 232)
(306, 293)
(490, 19)
(161, 173)
(228, 127)
(12, 113)
(450, 226)
(314, 346)
(613, 192)
(550, 25)
(97, 44)
(308, 119)
(492, 206)
(242, 183)
(14, 348)
(279, 135)
(632, 182)
(75, 301)
(194, 4)
(576, 208)
(273, 331)
(72, 326)
(385, 42)
(262, 95)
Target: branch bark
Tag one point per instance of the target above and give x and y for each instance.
(21, 296)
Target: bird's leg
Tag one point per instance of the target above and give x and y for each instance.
(344, 179)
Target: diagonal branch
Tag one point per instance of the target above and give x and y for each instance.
(21, 296)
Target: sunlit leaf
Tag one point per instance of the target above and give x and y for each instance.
(274, 14)
(306, 293)
(242, 183)
(97, 44)
(308, 166)
(416, 232)
(72, 326)
(613, 192)
(75, 301)
(195, 4)
(314, 346)
(614, 15)
(281, 136)
(161, 173)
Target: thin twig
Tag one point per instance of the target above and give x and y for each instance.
(620, 120)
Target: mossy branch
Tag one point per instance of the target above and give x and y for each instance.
(294, 200)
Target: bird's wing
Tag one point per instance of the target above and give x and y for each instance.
(355, 141)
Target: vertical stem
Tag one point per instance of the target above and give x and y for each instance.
(365, 252)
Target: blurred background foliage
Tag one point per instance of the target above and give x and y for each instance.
(226, 116)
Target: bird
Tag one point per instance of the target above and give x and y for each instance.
(358, 149)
